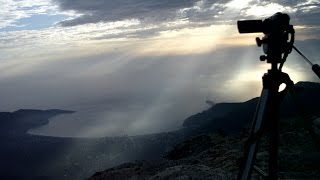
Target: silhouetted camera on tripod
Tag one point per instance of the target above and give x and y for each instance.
(279, 36)
(277, 45)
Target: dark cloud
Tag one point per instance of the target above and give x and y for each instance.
(290, 3)
(154, 11)
(148, 11)
(306, 12)
(154, 14)
(310, 17)
(109, 11)
(296, 3)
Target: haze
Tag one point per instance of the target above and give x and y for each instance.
(133, 67)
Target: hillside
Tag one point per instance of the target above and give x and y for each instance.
(233, 117)
(222, 130)
(214, 156)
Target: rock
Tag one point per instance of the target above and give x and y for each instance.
(214, 156)
(316, 128)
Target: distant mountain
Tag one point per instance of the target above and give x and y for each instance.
(19, 122)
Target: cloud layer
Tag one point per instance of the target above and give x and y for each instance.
(156, 16)
(152, 11)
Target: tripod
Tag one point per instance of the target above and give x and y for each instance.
(265, 119)
(277, 46)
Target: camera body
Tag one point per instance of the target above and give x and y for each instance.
(276, 23)
(276, 42)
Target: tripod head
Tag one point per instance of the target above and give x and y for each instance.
(278, 37)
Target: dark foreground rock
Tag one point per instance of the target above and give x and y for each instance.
(185, 161)
(214, 156)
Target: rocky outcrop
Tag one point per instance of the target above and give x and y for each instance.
(316, 129)
(203, 157)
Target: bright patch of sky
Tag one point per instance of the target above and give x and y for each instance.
(34, 22)
(238, 4)
(264, 10)
(29, 14)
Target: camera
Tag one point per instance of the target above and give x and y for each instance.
(278, 22)
(278, 36)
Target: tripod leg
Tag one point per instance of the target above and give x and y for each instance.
(273, 164)
(257, 126)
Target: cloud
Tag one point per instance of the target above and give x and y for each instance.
(296, 3)
(150, 12)
(11, 11)
(142, 19)
(16, 15)
(156, 16)
(109, 11)
(303, 12)
(153, 11)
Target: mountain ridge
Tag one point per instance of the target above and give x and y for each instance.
(20, 121)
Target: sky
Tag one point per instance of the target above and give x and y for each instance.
(138, 66)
